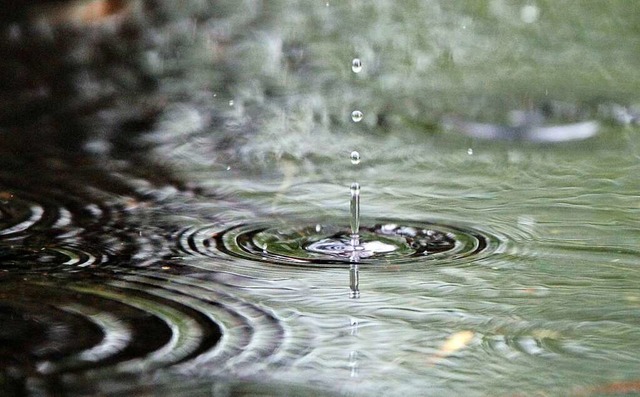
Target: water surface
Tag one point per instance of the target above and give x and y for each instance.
(123, 222)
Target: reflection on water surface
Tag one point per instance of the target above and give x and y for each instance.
(174, 198)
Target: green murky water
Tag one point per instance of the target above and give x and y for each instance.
(539, 296)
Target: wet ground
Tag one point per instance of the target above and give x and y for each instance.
(176, 215)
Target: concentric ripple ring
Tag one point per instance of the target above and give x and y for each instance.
(384, 243)
(74, 326)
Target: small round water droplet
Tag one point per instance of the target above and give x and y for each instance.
(355, 157)
(228, 168)
(356, 65)
(231, 102)
(318, 228)
(470, 152)
(356, 116)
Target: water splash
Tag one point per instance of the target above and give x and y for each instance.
(354, 276)
(356, 249)
(392, 242)
(355, 212)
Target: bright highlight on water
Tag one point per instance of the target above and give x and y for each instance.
(356, 116)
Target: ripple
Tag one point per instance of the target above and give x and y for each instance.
(50, 211)
(44, 232)
(55, 230)
(386, 242)
(74, 326)
(28, 258)
(135, 323)
(542, 343)
(18, 214)
(253, 336)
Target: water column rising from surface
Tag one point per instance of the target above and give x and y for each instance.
(354, 204)
(354, 277)
(355, 215)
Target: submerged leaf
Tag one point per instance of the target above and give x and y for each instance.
(455, 342)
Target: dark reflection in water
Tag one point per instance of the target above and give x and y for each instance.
(74, 103)
(120, 276)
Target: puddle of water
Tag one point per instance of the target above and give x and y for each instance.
(203, 239)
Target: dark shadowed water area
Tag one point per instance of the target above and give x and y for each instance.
(176, 212)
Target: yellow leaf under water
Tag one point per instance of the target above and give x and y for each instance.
(455, 342)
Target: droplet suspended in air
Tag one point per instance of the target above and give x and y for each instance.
(356, 65)
(356, 116)
(470, 152)
(355, 158)
(231, 103)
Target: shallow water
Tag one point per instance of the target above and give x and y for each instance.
(180, 263)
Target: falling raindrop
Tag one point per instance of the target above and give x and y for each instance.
(231, 102)
(355, 158)
(356, 65)
(356, 116)
(470, 152)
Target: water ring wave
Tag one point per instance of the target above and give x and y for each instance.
(386, 242)
(55, 328)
